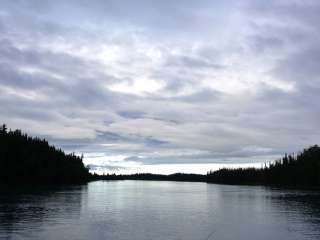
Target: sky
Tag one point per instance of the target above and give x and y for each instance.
(163, 86)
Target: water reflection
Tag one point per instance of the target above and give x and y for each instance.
(26, 210)
(159, 210)
(258, 212)
(301, 208)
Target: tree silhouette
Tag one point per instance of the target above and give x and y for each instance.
(24, 159)
(3, 129)
(291, 170)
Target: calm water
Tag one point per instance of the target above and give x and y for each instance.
(159, 210)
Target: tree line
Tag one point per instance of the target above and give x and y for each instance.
(302, 169)
(179, 177)
(25, 159)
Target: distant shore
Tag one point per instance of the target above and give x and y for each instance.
(301, 170)
(25, 159)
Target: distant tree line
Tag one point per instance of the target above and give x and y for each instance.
(25, 159)
(300, 170)
(182, 177)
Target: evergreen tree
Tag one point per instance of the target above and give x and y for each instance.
(300, 170)
(24, 159)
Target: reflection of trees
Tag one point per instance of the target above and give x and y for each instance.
(258, 212)
(31, 208)
(299, 206)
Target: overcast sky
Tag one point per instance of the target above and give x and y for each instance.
(163, 86)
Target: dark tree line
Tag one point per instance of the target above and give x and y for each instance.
(292, 170)
(25, 159)
(180, 177)
(300, 170)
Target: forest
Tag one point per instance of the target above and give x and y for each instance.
(298, 170)
(25, 159)
(302, 169)
(179, 177)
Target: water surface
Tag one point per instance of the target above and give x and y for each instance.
(145, 210)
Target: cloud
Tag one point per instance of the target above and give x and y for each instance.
(162, 82)
(97, 168)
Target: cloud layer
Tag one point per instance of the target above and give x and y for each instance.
(139, 83)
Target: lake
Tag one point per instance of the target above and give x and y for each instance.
(150, 210)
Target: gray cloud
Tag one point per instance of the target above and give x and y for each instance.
(160, 82)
